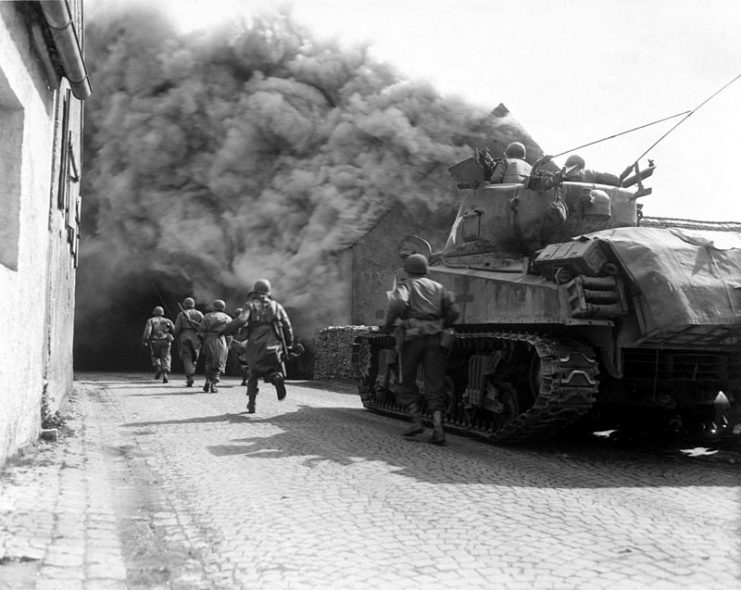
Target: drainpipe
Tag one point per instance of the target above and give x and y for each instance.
(60, 22)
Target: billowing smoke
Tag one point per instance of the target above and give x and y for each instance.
(212, 160)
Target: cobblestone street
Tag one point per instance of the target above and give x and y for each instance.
(166, 487)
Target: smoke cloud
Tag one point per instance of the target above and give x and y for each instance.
(215, 159)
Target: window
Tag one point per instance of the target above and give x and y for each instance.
(11, 144)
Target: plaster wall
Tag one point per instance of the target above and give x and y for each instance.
(37, 267)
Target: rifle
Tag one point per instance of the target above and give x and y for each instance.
(278, 328)
(187, 318)
(286, 352)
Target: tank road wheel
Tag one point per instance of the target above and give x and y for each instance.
(507, 407)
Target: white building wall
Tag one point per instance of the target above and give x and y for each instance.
(36, 264)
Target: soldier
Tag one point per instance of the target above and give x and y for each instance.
(157, 337)
(513, 167)
(421, 309)
(269, 335)
(186, 332)
(215, 347)
(575, 171)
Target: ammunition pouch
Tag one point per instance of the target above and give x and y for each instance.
(417, 328)
(447, 338)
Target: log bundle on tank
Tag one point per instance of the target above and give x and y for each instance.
(334, 347)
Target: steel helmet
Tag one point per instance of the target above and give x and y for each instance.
(575, 160)
(158, 311)
(189, 303)
(515, 150)
(218, 305)
(262, 286)
(415, 264)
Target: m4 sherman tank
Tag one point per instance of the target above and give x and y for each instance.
(568, 303)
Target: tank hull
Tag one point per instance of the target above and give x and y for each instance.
(568, 305)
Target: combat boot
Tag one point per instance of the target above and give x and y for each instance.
(438, 433)
(280, 387)
(251, 403)
(416, 426)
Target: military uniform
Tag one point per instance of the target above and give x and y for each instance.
(421, 309)
(215, 348)
(513, 167)
(158, 334)
(575, 171)
(186, 332)
(269, 334)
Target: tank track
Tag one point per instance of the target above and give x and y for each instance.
(566, 387)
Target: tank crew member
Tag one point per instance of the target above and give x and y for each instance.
(575, 171)
(157, 337)
(269, 336)
(513, 167)
(186, 332)
(422, 309)
(215, 348)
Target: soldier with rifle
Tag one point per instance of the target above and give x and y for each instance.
(186, 332)
(157, 337)
(421, 311)
(269, 337)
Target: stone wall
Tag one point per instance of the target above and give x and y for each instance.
(376, 261)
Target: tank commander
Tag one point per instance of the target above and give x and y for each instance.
(421, 309)
(574, 171)
(186, 333)
(269, 337)
(513, 167)
(157, 337)
(215, 347)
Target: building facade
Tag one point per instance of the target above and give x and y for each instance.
(43, 84)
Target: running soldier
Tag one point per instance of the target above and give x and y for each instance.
(215, 347)
(157, 337)
(269, 336)
(186, 332)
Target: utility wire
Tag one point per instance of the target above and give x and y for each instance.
(623, 133)
(689, 114)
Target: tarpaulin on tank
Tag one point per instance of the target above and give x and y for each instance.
(685, 277)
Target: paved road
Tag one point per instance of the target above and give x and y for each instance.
(168, 487)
